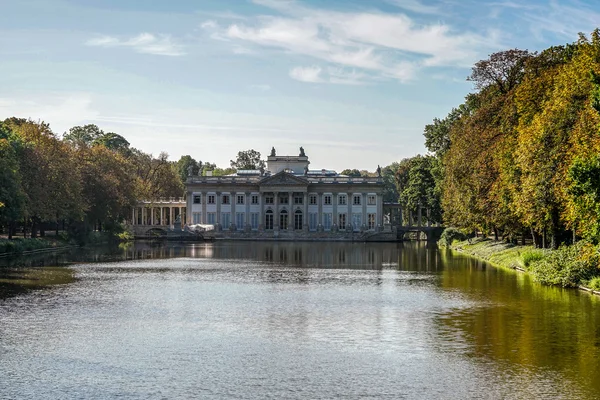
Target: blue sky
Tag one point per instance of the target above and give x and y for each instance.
(353, 82)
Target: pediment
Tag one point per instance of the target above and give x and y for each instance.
(283, 179)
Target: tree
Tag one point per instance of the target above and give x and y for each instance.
(351, 172)
(79, 136)
(503, 70)
(184, 164)
(249, 159)
(12, 198)
(112, 141)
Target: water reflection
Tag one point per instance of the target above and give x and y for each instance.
(303, 320)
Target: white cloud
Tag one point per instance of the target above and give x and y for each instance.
(147, 43)
(307, 74)
(60, 110)
(389, 46)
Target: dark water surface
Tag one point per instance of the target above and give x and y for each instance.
(289, 320)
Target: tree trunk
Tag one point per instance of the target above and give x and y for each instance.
(495, 233)
(523, 238)
(544, 238)
(33, 234)
(536, 238)
(10, 229)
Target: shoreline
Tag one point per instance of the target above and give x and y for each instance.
(502, 255)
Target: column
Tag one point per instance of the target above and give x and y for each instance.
(171, 223)
(320, 212)
(204, 201)
(379, 216)
(143, 215)
(419, 216)
(276, 217)
(349, 216)
(291, 211)
(152, 216)
(233, 197)
(427, 212)
(334, 217)
(261, 214)
(188, 208)
(410, 217)
(133, 215)
(305, 216)
(218, 199)
(400, 216)
(181, 218)
(365, 220)
(161, 220)
(247, 216)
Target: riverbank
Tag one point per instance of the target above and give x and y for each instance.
(20, 246)
(570, 266)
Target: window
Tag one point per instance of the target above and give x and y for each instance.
(356, 200)
(298, 220)
(371, 219)
(327, 221)
(225, 220)
(254, 199)
(327, 200)
(269, 200)
(211, 199)
(211, 218)
(312, 221)
(283, 219)
(298, 199)
(196, 199)
(196, 218)
(342, 221)
(225, 199)
(342, 200)
(356, 220)
(239, 220)
(312, 199)
(254, 220)
(371, 200)
(283, 199)
(269, 219)
(240, 199)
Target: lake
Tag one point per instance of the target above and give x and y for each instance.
(259, 320)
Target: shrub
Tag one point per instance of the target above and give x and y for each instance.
(568, 266)
(594, 283)
(450, 235)
(530, 256)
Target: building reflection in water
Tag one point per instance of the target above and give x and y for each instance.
(419, 257)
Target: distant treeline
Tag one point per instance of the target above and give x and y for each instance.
(88, 179)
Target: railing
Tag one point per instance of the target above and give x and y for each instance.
(310, 179)
(166, 200)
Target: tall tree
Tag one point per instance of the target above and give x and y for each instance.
(249, 159)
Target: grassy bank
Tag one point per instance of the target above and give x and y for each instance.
(569, 266)
(22, 245)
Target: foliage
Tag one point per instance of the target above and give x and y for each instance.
(417, 185)
(568, 266)
(449, 235)
(351, 172)
(530, 256)
(594, 283)
(19, 245)
(249, 159)
(520, 155)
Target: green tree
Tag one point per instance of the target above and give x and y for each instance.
(249, 159)
(351, 172)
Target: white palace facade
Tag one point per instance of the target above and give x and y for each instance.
(286, 199)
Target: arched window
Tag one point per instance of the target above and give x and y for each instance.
(298, 220)
(283, 219)
(269, 219)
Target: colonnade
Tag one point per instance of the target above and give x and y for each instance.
(151, 215)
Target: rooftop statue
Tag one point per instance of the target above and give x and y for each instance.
(302, 152)
(190, 170)
(273, 151)
(378, 171)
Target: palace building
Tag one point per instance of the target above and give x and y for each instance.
(286, 199)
